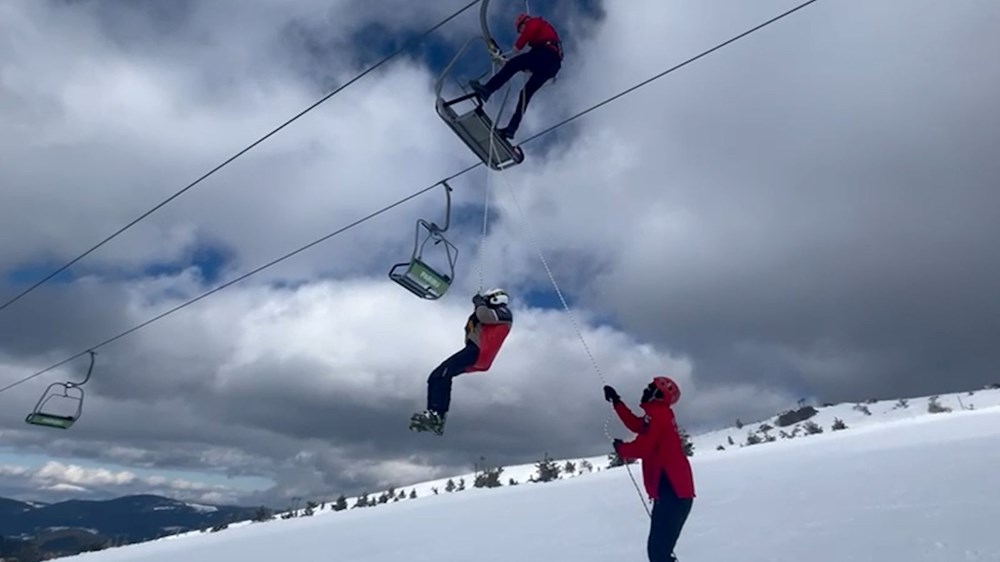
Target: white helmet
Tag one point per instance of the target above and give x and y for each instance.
(496, 297)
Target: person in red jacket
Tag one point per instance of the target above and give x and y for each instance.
(543, 61)
(485, 331)
(665, 468)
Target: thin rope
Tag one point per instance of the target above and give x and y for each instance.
(486, 195)
(482, 239)
(370, 69)
(576, 325)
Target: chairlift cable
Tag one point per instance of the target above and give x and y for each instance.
(241, 277)
(370, 69)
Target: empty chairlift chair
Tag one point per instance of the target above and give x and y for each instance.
(417, 275)
(65, 392)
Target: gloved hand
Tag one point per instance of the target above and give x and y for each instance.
(611, 395)
(479, 300)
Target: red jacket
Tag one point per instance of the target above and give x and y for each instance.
(487, 328)
(658, 444)
(539, 33)
(491, 339)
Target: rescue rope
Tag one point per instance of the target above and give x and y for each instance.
(486, 195)
(572, 317)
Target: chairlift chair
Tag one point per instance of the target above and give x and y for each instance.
(419, 277)
(475, 127)
(70, 391)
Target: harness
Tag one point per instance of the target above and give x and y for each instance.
(555, 46)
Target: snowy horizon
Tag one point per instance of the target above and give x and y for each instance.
(914, 488)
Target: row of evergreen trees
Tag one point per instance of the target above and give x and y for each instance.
(486, 476)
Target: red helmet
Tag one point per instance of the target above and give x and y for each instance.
(668, 388)
(520, 19)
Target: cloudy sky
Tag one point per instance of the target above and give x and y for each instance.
(811, 212)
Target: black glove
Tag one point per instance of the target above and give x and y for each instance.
(479, 300)
(611, 395)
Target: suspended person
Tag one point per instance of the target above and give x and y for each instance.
(543, 61)
(485, 331)
(666, 470)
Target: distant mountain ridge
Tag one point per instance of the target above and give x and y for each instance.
(83, 523)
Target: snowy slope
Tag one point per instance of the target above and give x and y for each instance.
(917, 488)
(854, 416)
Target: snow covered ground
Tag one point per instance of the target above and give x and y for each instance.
(897, 485)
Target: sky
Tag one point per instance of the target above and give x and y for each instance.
(807, 213)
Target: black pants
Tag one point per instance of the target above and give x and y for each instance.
(439, 382)
(542, 62)
(668, 517)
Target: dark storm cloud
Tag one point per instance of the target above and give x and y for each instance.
(842, 203)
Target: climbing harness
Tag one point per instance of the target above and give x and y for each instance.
(420, 278)
(71, 391)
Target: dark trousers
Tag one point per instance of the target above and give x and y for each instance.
(542, 62)
(439, 382)
(668, 517)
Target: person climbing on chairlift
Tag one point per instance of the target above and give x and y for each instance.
(543, 61)
(666, 470)
(485, 331)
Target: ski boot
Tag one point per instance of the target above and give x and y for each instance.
(427, 421)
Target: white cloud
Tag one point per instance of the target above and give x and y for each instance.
(72, 474)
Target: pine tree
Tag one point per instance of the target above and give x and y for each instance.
(569, 468)
(362, 500)
(413, 494)
(548, 470)
(461, 485)
(263, 514)
(935, 407)
(487, 477)
(449, 486)
(812, 428)
(686, 441)
(341, 503)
